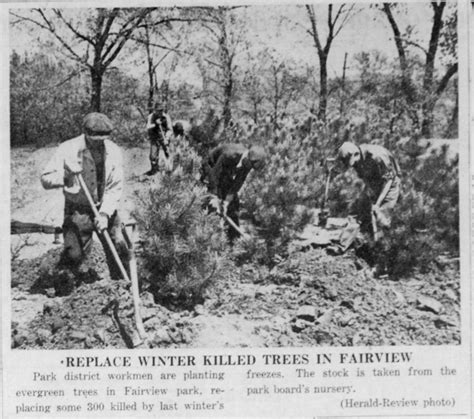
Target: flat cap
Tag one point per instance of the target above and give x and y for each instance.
(348, 153)
(159, 106)
(98, 124)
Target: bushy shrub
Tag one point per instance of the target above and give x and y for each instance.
(183, 246)
(272, 199)
(426, 220)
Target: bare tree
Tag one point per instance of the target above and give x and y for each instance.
(336, 20)
(431, 88)
(104, 31)
(226, 37)
(162, 39)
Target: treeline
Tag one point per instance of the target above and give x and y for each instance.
(125, 59)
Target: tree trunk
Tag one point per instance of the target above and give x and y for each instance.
(406, 85)
(427, 116)
(151, 81)
(343, 88)
(226, 61)
(227, 112)
(96, 78)
(323, 82)
(452, 130)
(255, 112)
(428, 79)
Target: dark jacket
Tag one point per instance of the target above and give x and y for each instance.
(223, 174)
(154, 122)
(376, 166)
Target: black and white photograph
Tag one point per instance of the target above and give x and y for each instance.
(235, 176)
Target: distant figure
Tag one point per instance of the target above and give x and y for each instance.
(99, 160)
(181, 129)
(159, 130)
(379, 170)
(226, 169)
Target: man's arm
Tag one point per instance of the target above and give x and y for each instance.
(215, 173)
(169, 125)
(383, 193)
(113, 184)
(53, 175)
(150, 123)
(237, 184)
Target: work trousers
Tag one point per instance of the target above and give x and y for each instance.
(78, 229)
(155, 145)
(362, 207)
(233, 213)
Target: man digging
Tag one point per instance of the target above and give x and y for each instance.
(380, 171)
(227, 168)
(159, 130)
(99, 161)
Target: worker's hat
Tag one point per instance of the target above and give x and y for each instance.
(97, 125)
(348, 153)
(159, 106)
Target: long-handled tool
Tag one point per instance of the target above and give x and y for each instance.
(129, 235)
(380, 199)
(165, 150)
(20, 227)
(116, 257)
(234, 226)
(324, 213)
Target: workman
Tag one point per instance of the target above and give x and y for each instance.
(226, 169)
(99, 160)
(159, 130)
(380, 171)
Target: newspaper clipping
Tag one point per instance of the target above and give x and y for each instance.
(230, 209)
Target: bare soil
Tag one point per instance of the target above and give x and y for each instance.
(309, 299)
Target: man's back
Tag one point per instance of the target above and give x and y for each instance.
(225, 174)
(376, 166)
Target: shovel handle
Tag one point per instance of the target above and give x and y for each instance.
(234, 226)
(134, 280)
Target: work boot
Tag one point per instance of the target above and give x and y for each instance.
(152, 171)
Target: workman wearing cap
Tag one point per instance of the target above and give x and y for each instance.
(226, 169)
(380, 171)
(99, 160)
(159, 130)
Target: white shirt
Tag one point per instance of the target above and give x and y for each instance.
(75, 151)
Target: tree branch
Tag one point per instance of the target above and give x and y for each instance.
(74, 30)
(52, 29)
(314, 33)
(445, 79)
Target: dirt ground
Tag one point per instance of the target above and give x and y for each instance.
(310, 299)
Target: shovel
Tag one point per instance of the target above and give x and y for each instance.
(110, 244)
(382, 196)
(324, 212)
(168, 165)
(20, 227)
(235, 226)
(132, 260)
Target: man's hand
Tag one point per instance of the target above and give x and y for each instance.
(225, 206)
(379, 216)
(101, 222)
(71, 169)
(167, 138)
(215, 203)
